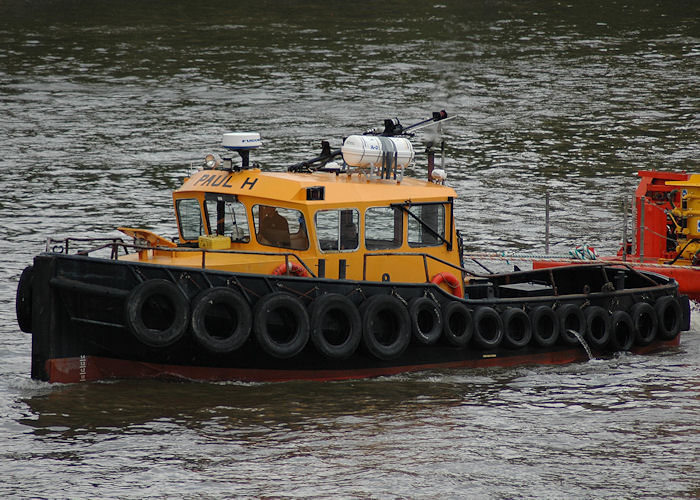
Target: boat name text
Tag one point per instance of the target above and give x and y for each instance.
(222, 180)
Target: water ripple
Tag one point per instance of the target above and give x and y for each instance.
(104, 107)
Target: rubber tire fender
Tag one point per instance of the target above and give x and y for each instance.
(571, 318)
(488, 327)
(598, 326)
(386, 326)
(281, 313)
(646, 323)
(545, 326)
(517, 330)
(670, 316)
(457, 324)
(238, 311)
(23, 299)
(622, 332)
(426, 320)
(335, 315)
(161, 296)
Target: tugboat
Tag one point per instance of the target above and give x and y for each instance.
(666, 239)
(339, 267)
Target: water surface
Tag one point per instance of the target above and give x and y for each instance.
(103, 105)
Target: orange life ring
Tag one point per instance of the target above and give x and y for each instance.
(294, 269)
(450, 280)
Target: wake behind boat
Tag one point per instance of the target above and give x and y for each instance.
(340, 267)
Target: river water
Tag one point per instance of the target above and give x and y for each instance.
(103, 105)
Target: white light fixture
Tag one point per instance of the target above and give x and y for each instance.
(439, 175)
(212, 160)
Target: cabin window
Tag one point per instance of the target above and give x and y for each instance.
(383, 228)
(432, 217)
(189, 215)
(336, 230)
(280, 227)
(226, 216)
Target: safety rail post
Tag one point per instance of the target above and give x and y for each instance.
(546, 222)
(624, 231)
(641, 229)
(635, 219)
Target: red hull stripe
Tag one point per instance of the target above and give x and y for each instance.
(90, 368)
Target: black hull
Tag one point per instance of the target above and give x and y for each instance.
(81, 333)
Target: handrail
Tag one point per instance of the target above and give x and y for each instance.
(116, 243)
(65, 244)
(425, 256)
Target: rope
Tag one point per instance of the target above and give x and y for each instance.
(564, 258)
(506, 256)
